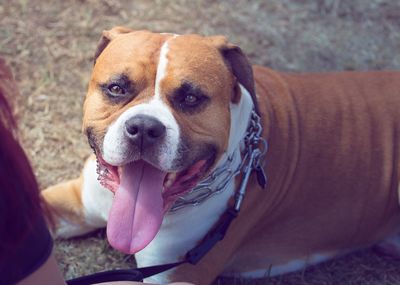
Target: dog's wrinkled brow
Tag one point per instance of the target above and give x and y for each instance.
(121, 79)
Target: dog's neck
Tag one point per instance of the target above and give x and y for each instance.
(240, 117)
(195, 221)
(227, 167)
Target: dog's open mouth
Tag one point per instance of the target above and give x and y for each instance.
(143, 194)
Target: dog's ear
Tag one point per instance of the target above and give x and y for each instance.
(107, 37)
(238, 64)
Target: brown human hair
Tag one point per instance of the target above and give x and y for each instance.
(20, 203)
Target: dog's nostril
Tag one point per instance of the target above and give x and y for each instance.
(156, 131)
(132, 129)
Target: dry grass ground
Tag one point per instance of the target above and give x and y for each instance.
(50, 45)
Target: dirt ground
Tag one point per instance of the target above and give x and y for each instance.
(50, 46)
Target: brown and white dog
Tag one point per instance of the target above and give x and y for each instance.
(163, 111)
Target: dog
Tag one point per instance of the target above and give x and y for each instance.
(170, 119)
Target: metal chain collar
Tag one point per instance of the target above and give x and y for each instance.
(255, 147)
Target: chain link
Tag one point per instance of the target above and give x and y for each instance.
(250, 160)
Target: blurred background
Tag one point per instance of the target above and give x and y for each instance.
(50, 47)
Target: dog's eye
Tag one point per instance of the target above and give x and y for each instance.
(116, 90)
(191, 100)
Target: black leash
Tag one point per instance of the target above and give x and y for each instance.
(107, 276)
(193, 256)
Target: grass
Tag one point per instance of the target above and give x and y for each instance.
(50, 46)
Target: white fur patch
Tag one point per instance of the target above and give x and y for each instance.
(239, 124)
(161, 69)
(96, 199)
(67, 229)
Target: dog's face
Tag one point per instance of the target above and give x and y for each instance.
(157, 115)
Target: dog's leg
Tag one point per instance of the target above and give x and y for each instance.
(65, 202)
(80, 205)
(390, 246)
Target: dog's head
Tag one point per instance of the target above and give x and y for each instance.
(157, 115)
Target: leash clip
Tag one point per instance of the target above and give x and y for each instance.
(242, 189)
(252, 159)
(259, 169)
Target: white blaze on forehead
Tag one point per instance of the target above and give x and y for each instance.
(162, 67)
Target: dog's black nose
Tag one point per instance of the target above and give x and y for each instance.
(144, 130)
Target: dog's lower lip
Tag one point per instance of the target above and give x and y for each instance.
(185, 180)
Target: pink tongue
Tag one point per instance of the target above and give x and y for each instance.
(137, 210)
